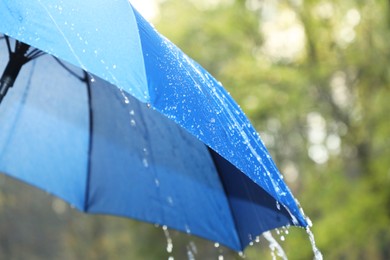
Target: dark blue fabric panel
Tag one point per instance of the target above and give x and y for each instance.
(146, 167)
(253, 209)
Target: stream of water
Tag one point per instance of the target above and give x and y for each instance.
(277, 251)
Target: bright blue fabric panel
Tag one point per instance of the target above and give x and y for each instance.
(186, 93)
(44, 129)
(91, 35)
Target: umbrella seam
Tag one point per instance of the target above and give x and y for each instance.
(136, 16)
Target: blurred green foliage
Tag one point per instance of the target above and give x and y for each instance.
(323, 110)
(313, 77)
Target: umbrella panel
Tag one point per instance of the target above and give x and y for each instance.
(103, 151)
(127, 51)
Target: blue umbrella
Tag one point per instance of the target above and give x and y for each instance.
(102, 111)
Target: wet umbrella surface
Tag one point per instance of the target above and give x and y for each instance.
(102, 111)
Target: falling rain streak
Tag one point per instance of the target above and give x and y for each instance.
(191, 251)
(169, 240)
(317, 252)
(274, 246)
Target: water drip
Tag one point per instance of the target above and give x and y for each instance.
(316, 251)
(190, 255)
(169, 240)
(192, 250)
(274, 246)
(220, 251)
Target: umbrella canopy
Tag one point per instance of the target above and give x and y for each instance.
(122, 122)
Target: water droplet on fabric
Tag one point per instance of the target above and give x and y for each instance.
(309, 222)
(145, 162)
(188, 230)
(132, 122)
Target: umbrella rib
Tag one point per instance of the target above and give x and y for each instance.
(35, 53)
(85, 78)
(90, 114)
(8, 45)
